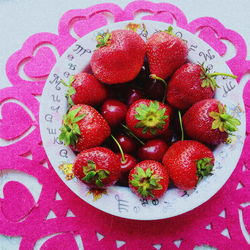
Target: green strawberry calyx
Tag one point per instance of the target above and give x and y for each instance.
(208, 79)
(204, 167)
(103, 39)
(94, 176)
(169, 31)
(151, 118)
(146, 182)
(71, 90)
(70, 130)
(223, 121)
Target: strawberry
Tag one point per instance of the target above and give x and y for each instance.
(97, 167)
(147, 118)
(191, 83)
(83, 128)
(84, 88)
(148, 179)
(207, 121)
(119, 56)
(188, 162)
(165, 52)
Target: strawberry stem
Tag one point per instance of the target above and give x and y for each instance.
(71, 90)
(222, 74)
(181, 125)
(120, 148)
(155, 77)
(169, 31)
(208, 80)
(65, 84)
(130, 133)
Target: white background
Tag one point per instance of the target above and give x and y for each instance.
(21, 18)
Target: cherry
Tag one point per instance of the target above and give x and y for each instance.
(127, 163)
(114, 112)
(168, 135)
(128, 144)
(117, 91)
(155, 89)
(133, 95)
(153, 150)
(126, 166)
(143, 74)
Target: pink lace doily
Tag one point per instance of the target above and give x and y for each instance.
(223, 222)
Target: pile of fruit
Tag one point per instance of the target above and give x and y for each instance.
(126, 120)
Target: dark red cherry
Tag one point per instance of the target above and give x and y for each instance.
(128, 144)
(155, 89)
(143, 74)
(126, 166)
(128, 163)
(168, 135)
(153, 150)
(114, 112)
(133, 95)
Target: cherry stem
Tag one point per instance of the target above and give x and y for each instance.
(120, 148)
(180, 120)
(133, 135)
(222, 74)
(155, 77)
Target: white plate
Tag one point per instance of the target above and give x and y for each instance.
(120, 201)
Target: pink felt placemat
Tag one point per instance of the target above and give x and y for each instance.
(21, 215)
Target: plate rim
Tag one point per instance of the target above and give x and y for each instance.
(239, 91)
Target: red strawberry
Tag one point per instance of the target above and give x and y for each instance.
(147, 118)
(149, 179)
(166, 53)
(84, 88)
(187, 162)
(83, 127)
(97, 167)
(191, 83)
(208, 122)
(119, 58)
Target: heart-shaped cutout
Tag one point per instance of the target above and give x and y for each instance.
(209, 36)
(92, 23)
(41, 63)
(17, 202)
(15, 121)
